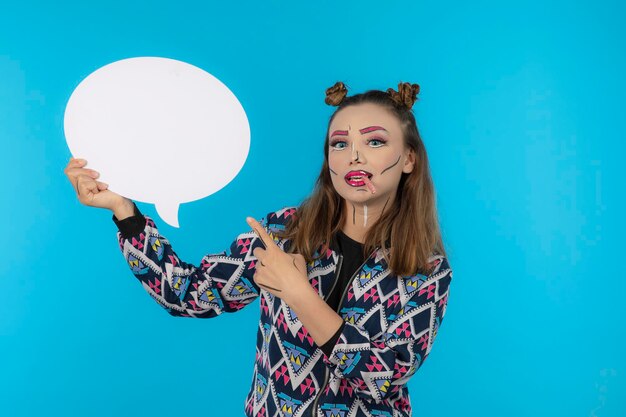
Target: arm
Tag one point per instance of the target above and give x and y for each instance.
(376, 366)
(222, 283)
(321, 321)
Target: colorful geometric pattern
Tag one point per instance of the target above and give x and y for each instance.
(390, 323)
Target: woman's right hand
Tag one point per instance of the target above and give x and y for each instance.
(90, 192)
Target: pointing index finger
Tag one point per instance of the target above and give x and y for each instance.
(267, 240)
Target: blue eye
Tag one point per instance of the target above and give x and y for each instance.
(337, 144)
(376, 143)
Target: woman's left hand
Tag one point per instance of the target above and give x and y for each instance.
(282, 274)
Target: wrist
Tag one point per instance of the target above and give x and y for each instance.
(300, 293)
(124, 209)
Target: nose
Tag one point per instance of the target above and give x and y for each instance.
(355, 156)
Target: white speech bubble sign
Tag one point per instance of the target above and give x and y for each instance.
(158, 131)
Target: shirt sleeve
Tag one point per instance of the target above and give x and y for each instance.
(328, 346)
(376, 367)
(131, 225)
(221, 282)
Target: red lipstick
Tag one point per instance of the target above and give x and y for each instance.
(356, 178)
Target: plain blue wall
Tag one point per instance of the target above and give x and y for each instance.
(521, 111)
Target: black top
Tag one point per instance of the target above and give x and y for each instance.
(351, 250)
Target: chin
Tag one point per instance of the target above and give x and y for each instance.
(359, 196)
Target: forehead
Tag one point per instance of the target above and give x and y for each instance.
(363, 115)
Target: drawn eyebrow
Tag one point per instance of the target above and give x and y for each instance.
(371, 129)
(340, 133)
(363, 131)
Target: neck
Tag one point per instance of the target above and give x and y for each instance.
(359, 217)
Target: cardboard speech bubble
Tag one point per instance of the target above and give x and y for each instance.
(158, 130)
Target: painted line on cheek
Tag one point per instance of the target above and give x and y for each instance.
(369, 184)
(391, 166)
(332, 171)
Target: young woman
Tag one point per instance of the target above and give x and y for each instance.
(353, 283)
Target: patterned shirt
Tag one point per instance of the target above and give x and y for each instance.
(390, 321)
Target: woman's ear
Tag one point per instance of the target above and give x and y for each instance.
(409, 161)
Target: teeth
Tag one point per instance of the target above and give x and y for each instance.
(357, 177)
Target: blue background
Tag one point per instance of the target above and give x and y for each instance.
(521, 111)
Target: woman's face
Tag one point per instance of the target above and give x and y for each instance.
(366, 139)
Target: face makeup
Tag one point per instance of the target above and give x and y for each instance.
(364, 215)
(366, 162)
(357, 178)
(391, 166)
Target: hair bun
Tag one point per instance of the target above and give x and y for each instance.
(406, 94)
(336, 94)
